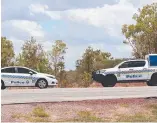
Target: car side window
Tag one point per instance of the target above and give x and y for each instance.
(133, 64)
(23, 70)
(125, 65)
(8, 70)
(138, 64)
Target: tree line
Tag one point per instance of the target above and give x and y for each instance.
(33, 56)
(142, 36)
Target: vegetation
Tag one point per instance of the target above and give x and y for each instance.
(154, 110)
(142, 36)
(86, 116)
(147, 114)
(17, 116)
(140, 117)
(38, 114)
(33, 56)
(7, 52)
(56, 60)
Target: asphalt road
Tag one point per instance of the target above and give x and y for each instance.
(74, 94)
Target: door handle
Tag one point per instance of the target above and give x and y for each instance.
(131, 69)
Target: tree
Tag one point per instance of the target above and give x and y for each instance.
(7, 52)
(142, 36)
(56, 56)
(86, 63)
(91, 60)
(33, 56)
(100, 58)
(71, 78)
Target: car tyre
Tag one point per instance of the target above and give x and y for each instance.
(153, 81)
(109, 81)
(149, 83)
(42, 83)
(2, 85)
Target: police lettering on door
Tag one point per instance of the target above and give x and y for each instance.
(19, 82)
(133, 76)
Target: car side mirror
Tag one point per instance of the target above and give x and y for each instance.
(31, 73)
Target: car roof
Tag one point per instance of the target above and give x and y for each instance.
(137, 60)
(134, 60)
(19, 67)
(15, 67)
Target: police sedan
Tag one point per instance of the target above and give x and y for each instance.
(16, 76)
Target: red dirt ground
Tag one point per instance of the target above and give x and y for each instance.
(61, 111)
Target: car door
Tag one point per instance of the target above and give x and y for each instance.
(8, 76)
(140, 71)
(132, 70)
(24, 76)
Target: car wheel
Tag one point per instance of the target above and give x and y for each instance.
(42, 83)
(2, 85)
(153, 81)
(109, 81)
(149, 83)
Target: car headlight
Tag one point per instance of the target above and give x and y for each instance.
(100, 71)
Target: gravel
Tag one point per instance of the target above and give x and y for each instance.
(61, 111)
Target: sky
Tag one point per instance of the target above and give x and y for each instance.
(79, 23)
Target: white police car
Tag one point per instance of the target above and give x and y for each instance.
(16, 76)
(144, 70)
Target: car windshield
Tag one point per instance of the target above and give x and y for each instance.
(118, 65)
(33, 70)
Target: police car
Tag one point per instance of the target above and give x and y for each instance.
(144, 70)
(16, 76)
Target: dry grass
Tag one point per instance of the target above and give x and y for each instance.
(38, 114)
(124, 105)
(17, 116)
(154, 111)
(141, 116)
(37, 119)
(86, 116)
(124, 110)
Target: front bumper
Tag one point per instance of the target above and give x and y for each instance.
(96, 77)
(53, 82)
(93, 75)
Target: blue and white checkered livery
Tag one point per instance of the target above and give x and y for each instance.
(130, 70)
(23, 76)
